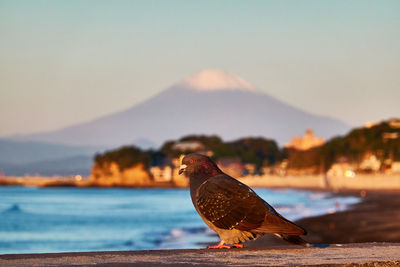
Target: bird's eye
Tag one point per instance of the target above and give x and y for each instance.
(191, 161)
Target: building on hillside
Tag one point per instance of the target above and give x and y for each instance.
(341, 169)
(267, 170)
(188, 146)
(388, 136)
(370, 163)
(249, 168)
(305, 142)
(390, 166)
(394, 123)
(161, 173)
(278, 169)
(395, 167)
(370, 124)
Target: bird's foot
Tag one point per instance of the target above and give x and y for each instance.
(221, 245)
(237, 245)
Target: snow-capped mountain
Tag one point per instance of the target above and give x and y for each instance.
(208, 102)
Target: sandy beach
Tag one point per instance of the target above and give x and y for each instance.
(375, 219)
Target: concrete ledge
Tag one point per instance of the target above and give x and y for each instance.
(362, 254)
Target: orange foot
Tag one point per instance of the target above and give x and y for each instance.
(222, 245)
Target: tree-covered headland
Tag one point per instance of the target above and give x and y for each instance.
(381, 140)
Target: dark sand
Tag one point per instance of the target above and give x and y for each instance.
(375, 219)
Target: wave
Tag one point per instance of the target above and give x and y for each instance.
(179, 237)
(15, 208)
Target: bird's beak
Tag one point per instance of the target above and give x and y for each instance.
(182, 168)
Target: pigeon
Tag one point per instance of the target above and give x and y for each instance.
(232, 209)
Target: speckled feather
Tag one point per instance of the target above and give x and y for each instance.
(230, 204)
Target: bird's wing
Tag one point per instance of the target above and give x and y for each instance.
(275, 223)
(230, 204)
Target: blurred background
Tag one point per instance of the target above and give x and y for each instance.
(99, 101)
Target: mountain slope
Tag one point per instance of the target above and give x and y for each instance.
(209, 102)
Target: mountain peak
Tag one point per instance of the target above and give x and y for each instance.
(212, 80)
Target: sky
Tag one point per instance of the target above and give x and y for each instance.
(66, 62)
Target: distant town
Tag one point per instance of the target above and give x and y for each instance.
(372, 149)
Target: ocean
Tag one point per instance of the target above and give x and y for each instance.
(43, 220)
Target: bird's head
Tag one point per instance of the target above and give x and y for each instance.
(197, 165)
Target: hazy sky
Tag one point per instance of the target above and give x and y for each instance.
(64, 62)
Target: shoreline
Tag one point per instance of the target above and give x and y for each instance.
(375, 182)
(378, 181)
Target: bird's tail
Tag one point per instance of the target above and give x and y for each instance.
(294, 239)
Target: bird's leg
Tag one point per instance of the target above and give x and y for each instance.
(219, 245)
(222, 245)
(237, 245)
